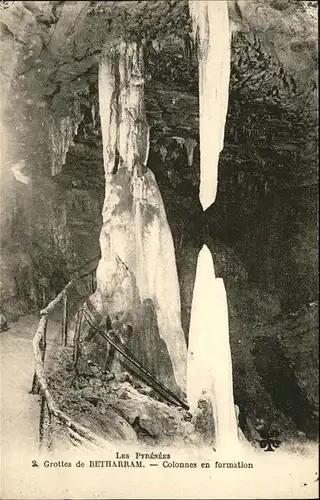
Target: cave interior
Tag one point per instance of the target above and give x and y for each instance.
(262, 228)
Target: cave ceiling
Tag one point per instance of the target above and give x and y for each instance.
(51, 54)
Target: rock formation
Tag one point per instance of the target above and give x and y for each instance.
(137, 275)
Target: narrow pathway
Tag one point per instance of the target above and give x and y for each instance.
(19, 409)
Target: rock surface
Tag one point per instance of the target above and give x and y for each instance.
(118, 408)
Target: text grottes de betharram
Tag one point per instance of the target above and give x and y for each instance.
(141, 460)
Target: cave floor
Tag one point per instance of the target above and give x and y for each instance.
(20, 410)
(293, 475)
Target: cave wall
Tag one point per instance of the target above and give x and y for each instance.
(44, 238)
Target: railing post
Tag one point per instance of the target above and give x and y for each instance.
(65, 320)
(45, 426)
(35, 389)
(93, 282)
(77, 332)
(44, 340)
(35, 386)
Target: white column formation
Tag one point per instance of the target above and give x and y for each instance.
(209, 372)
(135, 228)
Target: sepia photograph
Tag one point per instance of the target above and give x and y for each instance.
(159, 249)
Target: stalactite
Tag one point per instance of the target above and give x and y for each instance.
(59, 230)
(180, 141)
(137, 270)
(62, 132)
(163, 153)
(190, 147)
(93, 115)
(211, 30)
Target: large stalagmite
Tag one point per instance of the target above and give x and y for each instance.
(209, 357)
(137, 282)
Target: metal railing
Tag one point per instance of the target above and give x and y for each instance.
(78, 433)
(111, 337)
